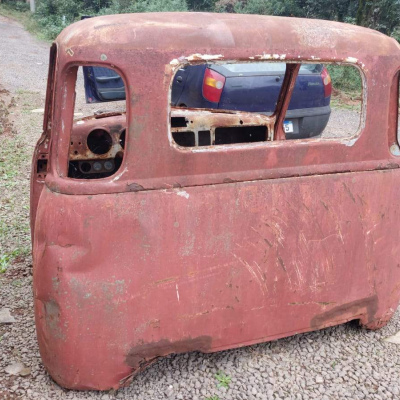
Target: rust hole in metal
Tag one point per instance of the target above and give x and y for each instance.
(41, 166)
(122, 139)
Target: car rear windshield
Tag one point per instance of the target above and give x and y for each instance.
(278, 67)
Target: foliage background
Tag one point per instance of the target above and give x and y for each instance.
(383, 15)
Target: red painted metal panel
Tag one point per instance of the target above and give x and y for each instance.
(245, 249)
(121, 279)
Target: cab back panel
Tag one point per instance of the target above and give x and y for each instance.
(126, 278)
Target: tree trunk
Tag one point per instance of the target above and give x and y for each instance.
(360, 12)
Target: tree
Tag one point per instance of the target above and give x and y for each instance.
(382, 15)
(269, 7)
(201, 5)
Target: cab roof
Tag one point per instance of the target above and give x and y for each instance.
(216, 34)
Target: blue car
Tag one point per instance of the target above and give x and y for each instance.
(102, 84)
(255, 87)
(252, 87)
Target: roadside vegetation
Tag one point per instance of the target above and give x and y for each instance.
(53, 15)
(19, 11)
(223, 381)
(346, 87)
(15, 159)
(14, 227)
(383, 15)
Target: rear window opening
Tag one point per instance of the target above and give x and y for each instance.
(236, 103)
(97, 141)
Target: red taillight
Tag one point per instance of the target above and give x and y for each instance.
(326, 79)
(213, 85)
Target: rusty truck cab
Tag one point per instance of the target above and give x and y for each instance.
(145, 244)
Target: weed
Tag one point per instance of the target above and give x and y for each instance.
(345, 78)
(223, 380)
(7, 258)
(212, 398)
(4, 259)
(344, 105)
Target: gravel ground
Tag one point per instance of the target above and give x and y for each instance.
(335, 363)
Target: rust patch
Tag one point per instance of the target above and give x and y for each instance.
(134, 187)
(166, 280)
(349, 192)
(52, 315)
(353, 310)
(206, 119)
(140, 356)
(112, 123)
(392, 165)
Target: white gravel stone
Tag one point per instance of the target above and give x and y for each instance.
(6, 317)
(15, 368)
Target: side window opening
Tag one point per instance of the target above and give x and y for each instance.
(97, 141)
(218, 104)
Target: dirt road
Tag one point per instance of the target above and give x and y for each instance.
(336, 363)
(23, 59)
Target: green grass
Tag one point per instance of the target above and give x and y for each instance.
(13, 155)
(14, 220)
(7, 258)
(223, 380)
(339, 103)
(4, 260)
(212, 398)
(345, 78)
(347, 86)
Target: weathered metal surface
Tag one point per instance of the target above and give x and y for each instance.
(203, 120)
(114, 125)
(292, 70)
(40, 162)
(217, 247)
(165, 45)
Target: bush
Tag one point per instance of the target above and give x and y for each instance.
(268, 7)
(54, 15)
(139, 6)
(345, 78)
(17, 5)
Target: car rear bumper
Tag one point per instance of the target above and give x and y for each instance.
(308, 122)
